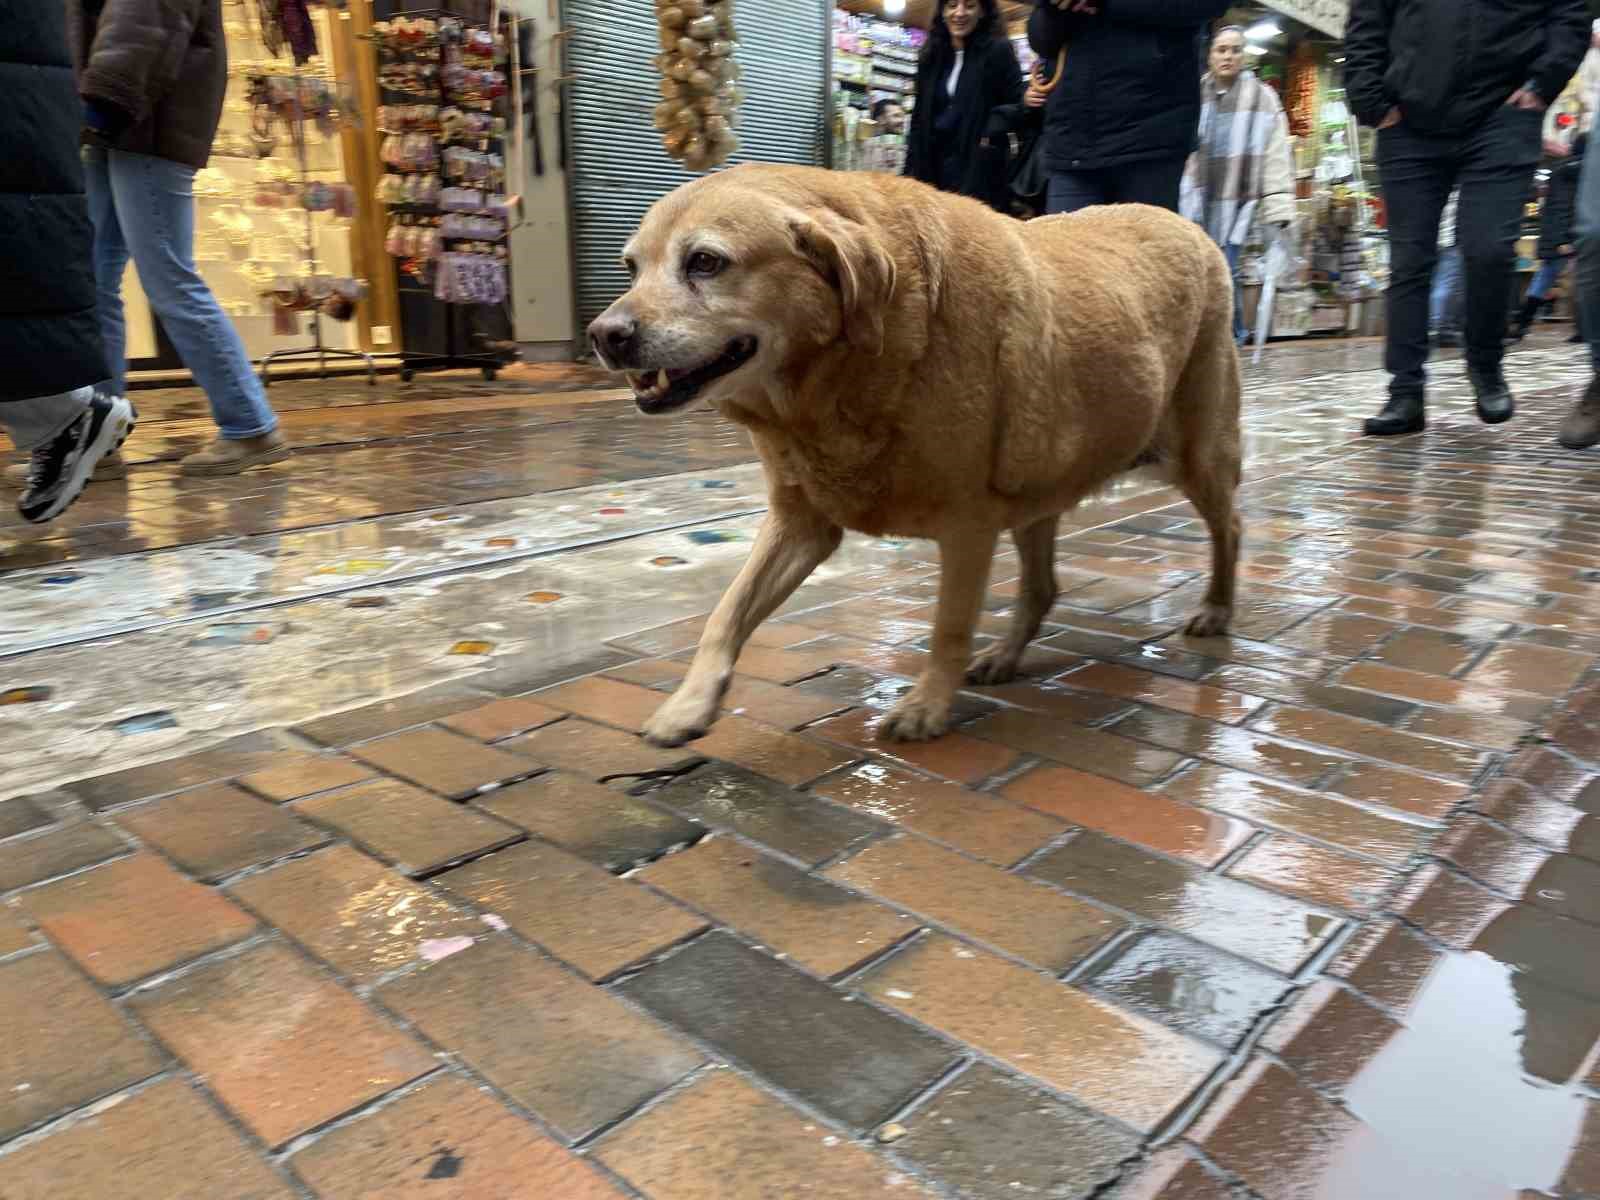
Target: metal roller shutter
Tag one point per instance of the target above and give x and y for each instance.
(618, 166)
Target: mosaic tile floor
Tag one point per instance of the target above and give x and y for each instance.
(330, 865)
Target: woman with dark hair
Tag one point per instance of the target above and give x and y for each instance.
(959, 138)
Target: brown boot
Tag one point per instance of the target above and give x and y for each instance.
(229, 456)
(1581, 429)
(112, 466)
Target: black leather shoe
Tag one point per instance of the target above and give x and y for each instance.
(1403, 414)
(1495, 404)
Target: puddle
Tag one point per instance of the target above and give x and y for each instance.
(1454, 1106)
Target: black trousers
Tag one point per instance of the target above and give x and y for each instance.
(1493, 165)
(1154, 181)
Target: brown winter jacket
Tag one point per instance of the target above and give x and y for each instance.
(163, 62)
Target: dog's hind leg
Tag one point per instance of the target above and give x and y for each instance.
(965, 557)
(1036, 547)
(1207, 467)
(794, 540)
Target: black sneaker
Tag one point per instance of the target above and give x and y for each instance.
(59, 469)
(1405, 413)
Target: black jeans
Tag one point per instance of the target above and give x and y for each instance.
(1493, 165)
(1154, 181)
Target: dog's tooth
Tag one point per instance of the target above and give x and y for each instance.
(661, 379)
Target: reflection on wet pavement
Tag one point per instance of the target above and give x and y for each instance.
(1309, 912)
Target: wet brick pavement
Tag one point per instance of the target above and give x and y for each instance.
(405, 909)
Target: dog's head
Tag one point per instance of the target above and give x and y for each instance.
(737, 278)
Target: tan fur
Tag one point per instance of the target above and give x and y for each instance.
(929, 368)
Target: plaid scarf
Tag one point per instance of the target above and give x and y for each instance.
(1222, 182)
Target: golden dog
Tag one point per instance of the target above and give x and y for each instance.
(912, 363)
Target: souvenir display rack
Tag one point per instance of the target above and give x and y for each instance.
(441, 76)
(317, 294)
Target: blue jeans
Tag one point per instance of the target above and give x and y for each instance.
(144, 207)
(1444, 304)
(1545, 278)
(1240, 333)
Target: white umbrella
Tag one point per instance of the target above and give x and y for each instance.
(1277, 259)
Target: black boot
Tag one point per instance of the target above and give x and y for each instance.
(1494, 397)
(1404, 413)
(1523, 321)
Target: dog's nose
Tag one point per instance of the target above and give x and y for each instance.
(615, 338)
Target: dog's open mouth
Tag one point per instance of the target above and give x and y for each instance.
(670, 388)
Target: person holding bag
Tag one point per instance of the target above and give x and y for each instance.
(966, 80)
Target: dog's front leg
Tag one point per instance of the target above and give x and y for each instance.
(964, 561)
(794, 540)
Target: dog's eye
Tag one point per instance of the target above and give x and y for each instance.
(704, 264)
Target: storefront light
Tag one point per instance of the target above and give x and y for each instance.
(1255, 49)
(1263, 31)
(894, 9)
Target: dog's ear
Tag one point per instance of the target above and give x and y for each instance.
(852, 258)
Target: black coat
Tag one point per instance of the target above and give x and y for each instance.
(1560, 208)
(1448, 64)
(1132, 86)
(49, 337)
(971, 158)
(163, 62)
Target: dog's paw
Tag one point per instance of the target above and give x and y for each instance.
(915, 720)
(1211, 621)
(994, 666)
(675, 723)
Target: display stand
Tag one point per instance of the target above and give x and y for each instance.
(318, 350)
(425, 314)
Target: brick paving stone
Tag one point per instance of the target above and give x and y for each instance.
(797, 916)
(562, 1048)
(1263, 927)
(416, 830)
(217, 830)
(607, 701)
(766, 751)
(1424, 650)
(1171, 1175)
(1550, 773)
(250, 753)
(576, 910)
(1314, 874)
(1189, 987)
(794, 823)
(990, 1136)
(1537, 669)
(854, 1063)
(14, 935)
(164, 1143)
(1446, 693)
(444, 762)
(1198, 700)
(1242, 749)
(1420, 796)
(1493, 856)
(724, 1139)
(19, 815)
(65, 1045)
(978, 822)
(1475, 729)
(1447, 906)
(1373, 741)
(785, 666)
(1389, 839)
(389, 716)
(1086, 749)
(320, 774)
(1276, 684)
(363, 919)
(448, 1140)
(282, 1047)
(501, 719)
(1053, 701)
(1386, 962)
(596, 752)
(954, 756)
(594, 822)
(1146, 818)
(1007, 911)
(134, 917)
(1328, 1035)
(1116, 1062)
(33, 859)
